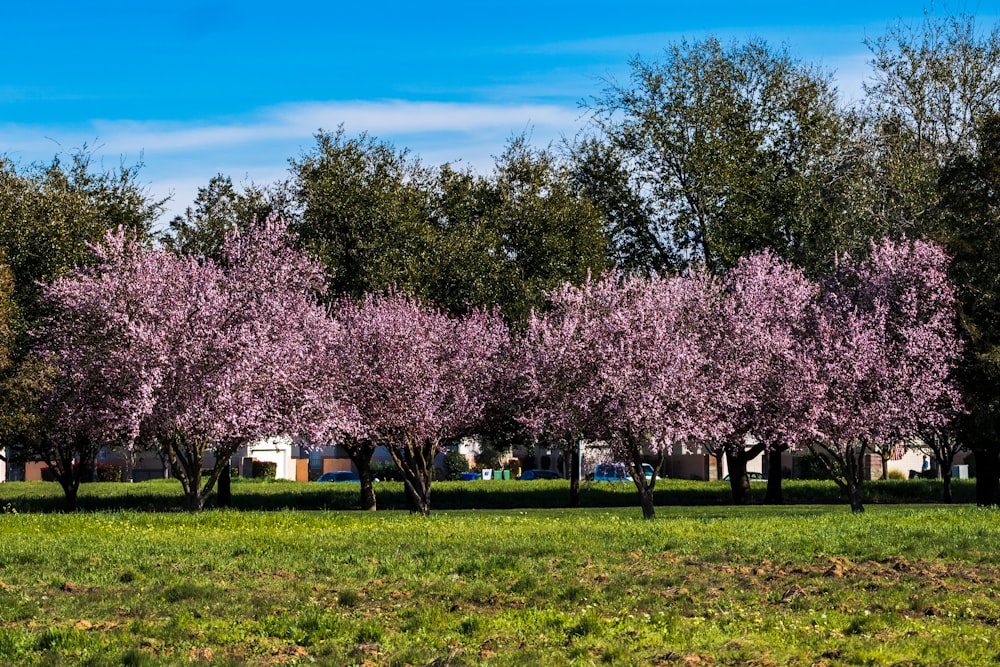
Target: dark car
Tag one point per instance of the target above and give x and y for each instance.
(540, 474)
(339, 476)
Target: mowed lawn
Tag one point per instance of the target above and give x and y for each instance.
(804, 584)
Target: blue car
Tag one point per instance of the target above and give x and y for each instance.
(618, 472)
(539, 474)
(611, 472)
(339, 476)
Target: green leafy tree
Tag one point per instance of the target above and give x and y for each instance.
(219, 208)
(18, 419)
(933, 83)
(50, 212)
(378, 218)
(364, 213)
(932, 110)
(737, 148)
(539, 231)
(635, 233)
(970, 188)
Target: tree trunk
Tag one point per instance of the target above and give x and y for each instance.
(854, 497)
(639, 478)
(225, 492)
(944, 457)
(129, 473)
(854, 476)
(774, 474)
(367, 484)
(418, 492)
(646, 501)
(360, 452)
(987, 477)
(738, 481)
(185, 460)
(574, 475)
(69, 466)
(416, 462)
(946, 483)
(195, 501)
(71, 488)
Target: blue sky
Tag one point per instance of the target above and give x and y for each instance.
(194, 88)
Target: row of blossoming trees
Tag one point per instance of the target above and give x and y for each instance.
(149, 348)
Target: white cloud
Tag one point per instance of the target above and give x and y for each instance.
(181, 156)
(390, 118)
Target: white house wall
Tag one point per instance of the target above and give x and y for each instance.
(277, 450)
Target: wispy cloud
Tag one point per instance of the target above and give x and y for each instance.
(390, 118)
(181, 156)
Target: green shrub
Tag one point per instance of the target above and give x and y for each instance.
(488, 458)
(105, 472)
(809, 466)
(386, 472)
(455, 464)
(109, 472)
(264, 469)
(895, 474)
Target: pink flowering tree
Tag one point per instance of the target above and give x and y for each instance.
(416, 377)
(204, 356)
(659, 346)
(622, 359)
(344, 364)
(885, 347)
(101, 369)
(762, 321)
(239, 340)
(556, 373)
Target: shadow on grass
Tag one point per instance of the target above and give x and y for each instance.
(248, 495)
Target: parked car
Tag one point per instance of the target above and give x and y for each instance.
(611, 472)
(752, 476)
(618, 472)
(539, 474)
(339, 476)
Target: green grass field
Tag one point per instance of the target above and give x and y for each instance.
(801, 584)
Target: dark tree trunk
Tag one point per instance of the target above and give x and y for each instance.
(71, 488)
(639, 478)
(987, 478)
(855, 498)
(737, 459)
(944, 452)
(574, 475)
(360, 454)
(946, 483)
(225, 490)
(186, 457)
(416, 462)
(738, 482)
(774, 474)
(367, 496)
(854, 476)
(69, 467)
(646, 501)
